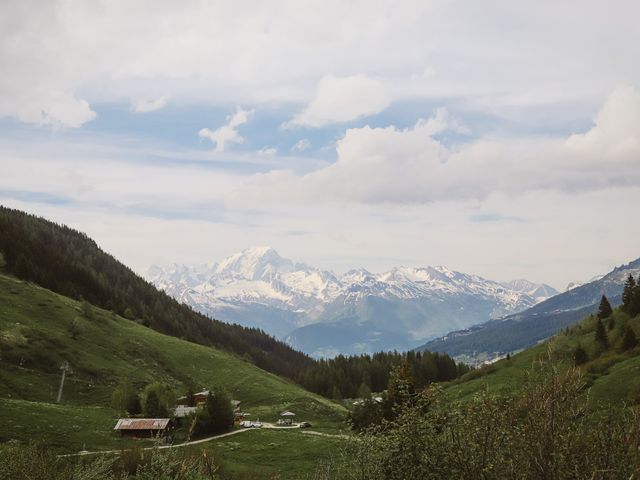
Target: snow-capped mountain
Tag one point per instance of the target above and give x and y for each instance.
(495, 339)
(539, 291)
(322, 313)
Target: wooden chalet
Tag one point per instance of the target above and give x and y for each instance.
(200, 398)
(143, 427)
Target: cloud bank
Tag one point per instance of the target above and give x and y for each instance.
(405, 166)
(60, 58)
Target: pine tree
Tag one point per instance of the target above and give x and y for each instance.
(601, 335)
(580, 356)
(604, 310)
(364, 391)
(634, 304)
(627, 293)
(629, 340)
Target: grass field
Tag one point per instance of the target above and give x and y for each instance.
(285, 454)
(36, 337)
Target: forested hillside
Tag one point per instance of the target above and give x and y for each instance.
(70, 263)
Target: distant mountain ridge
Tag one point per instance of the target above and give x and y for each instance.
(324, 314)
(524, 329)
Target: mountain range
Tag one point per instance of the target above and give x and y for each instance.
(325, 314)
(496, 338)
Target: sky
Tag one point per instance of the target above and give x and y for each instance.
(494, 137)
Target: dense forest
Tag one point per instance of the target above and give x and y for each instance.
(70, 263)
(358, 376)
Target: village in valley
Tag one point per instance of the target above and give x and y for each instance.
(189, 409)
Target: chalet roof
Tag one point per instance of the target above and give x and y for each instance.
(287, 414)
(142, 424)
(203, 393)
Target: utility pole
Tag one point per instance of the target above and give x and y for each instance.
(65, 367)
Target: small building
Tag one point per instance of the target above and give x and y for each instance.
(235, 404)
(182, 411)
(240, 417)
(286, 418)
(143, 427)
(200, 398)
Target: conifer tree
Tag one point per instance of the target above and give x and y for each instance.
(604, 309)
(634, 304)
(580, 356)
(629, 340)
(601, 335)
(627, 293)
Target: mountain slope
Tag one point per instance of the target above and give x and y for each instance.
(70, 263)
(514, 332)
(611, 373)
(363, 311)
(36, 337)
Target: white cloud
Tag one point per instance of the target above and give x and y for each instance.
(147, 104)
(48, 108)
(342, 100)
(211, 53)
(301, 145)
(227, 133)
(267, 151)
(394, 166)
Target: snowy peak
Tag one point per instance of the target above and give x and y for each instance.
(255, 263)
(539, 291)
(257, 287)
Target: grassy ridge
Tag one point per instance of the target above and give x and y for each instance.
(36, 337)
(612, 375)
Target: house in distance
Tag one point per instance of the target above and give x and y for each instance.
(143, 427)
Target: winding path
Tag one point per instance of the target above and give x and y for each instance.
(204, 440)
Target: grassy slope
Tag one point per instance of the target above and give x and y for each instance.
(613, 377)
(34, 332)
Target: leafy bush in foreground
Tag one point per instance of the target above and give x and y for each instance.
(544, 433)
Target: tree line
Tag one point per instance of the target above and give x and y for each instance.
(357, 376)
(611, 331)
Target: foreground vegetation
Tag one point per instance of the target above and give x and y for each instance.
(256, 455)
(548, 431)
